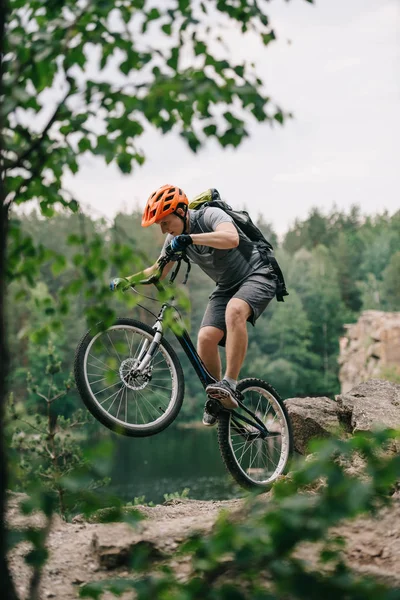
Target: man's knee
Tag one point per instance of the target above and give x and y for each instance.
(209, 337)
(237, 311)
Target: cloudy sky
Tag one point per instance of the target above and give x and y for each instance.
(335, 66)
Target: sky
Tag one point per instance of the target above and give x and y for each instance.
(335, 66)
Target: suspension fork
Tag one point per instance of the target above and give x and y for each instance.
(149, 348)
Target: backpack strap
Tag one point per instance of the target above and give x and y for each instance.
(175, 272)
(281, 285)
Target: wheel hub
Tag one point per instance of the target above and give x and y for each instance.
(131, 377)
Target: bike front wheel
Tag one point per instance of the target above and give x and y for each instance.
(255, 459)
(124, 400)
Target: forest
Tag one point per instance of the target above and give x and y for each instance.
(336, 265)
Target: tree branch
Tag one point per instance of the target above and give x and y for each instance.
(37, 143)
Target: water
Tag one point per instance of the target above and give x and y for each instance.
(169, 462)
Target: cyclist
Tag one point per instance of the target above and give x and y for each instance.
(245, 285)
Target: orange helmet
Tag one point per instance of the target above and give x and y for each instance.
(163, 202)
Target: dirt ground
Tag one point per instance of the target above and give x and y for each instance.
(81, 552)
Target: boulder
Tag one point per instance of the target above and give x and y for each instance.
(312, 418)
(370, 405)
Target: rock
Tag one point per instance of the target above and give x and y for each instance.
(312, 418)
(111, 555)
(368, 406)
(370, 349)
(371, 405)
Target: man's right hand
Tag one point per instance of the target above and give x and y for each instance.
(119, 283)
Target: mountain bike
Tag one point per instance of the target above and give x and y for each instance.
(131, 380)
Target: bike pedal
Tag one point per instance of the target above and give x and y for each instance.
(213, 407)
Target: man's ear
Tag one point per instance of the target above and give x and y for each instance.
(180, 212)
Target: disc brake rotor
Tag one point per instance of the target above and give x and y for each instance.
(132, 379)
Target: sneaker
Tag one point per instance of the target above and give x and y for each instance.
(222, 391)
(208, 420)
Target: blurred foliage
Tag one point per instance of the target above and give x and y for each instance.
(44, 444)
(258, 555)
(78, 491)
(183, 495)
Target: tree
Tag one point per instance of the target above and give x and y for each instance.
(51, 50)
(391, 284)
(326, 313)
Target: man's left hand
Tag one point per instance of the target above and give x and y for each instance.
(180, 243)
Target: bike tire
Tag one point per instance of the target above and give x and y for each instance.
(227, 430)
(116, 425)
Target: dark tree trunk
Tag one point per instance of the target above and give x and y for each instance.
(7, 586)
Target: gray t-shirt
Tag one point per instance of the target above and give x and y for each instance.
(226, 267)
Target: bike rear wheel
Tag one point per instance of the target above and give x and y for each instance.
(255, 460)
(126, 402)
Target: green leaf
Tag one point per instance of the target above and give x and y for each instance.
(124, 162)
(46, 210)
(153, 14)
(192, 140)
(239, 70)
(210, 130)
(76, 56)
(278, 117)
(167, 28)
(200, 48)
(84, 144)
(73, 205)
(173, 59)
(37, 557)
(59, 265)
(267, 38)
(183, 5)
(74, 240)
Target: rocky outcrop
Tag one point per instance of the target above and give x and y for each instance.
(370, 349)
(370, 405)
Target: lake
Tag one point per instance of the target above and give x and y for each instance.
(169, 462)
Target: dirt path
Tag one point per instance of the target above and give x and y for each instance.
(81, 552)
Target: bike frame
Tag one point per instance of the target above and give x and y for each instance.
(184, 340)
(183, 337)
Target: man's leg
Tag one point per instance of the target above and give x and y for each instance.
(249, 302)
(237, 313)
(207, 347)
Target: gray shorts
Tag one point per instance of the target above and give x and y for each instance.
(257, 290)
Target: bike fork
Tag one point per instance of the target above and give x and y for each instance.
(149, 348)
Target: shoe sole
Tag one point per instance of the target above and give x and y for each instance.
(223, 396)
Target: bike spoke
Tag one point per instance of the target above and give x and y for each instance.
(115, 350)
(103, 363)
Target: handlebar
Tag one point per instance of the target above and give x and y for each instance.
(155, 278)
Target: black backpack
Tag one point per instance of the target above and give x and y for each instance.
(242, 220)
